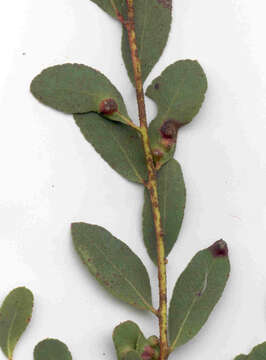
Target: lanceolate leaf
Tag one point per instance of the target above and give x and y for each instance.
(118, 144)
(74, 88)
(178, 93)
(258, 353)
(125, 337)
(51, 349)
(172, 198)
(197, 291)
(152, 26)
(15, 314)
(113, 264)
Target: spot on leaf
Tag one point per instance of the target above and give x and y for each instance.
(108, 106)
(166, 3)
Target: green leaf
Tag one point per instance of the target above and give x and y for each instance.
(51, 349)
(74, 88)
(109, 6)
(142, 342)
(178, 92)
(15, 314)
(118, 144)
(172, 198)
(113, 264)
(152, 25)
(197, 291)
(132, 355)
(258, 353)
(125, 338)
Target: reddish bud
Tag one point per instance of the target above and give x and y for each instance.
(108, 106)
(219, 249)
(147, 353)
(157, 154)
(169, 131)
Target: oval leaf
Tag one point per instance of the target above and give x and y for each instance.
(172, 198)
(51, 349)
(197, 291)
(15, 314)
(152, 25)
(241, 357)
(125, 337)
(178, 92)
(113, 264)
(74, 88)
(118, 144)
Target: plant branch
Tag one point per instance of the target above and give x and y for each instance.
(151, 185)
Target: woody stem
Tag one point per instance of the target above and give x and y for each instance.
(151, 184)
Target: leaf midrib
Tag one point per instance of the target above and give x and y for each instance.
(9, 333)
(194, 301)
(119, 271)
(128, 159)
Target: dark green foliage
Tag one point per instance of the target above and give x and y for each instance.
(15, 314)
(118, 144)
(197, 291)
(152, 26)
(172, 198)
(125, 337)
(258, 353)
(101, 115)
(113, 264)
(178, 92)
(74, 88)
(130, 343)
(132, 355)
(51, 349)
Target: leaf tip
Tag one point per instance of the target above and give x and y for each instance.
(219, 249)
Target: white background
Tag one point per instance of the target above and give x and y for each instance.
(51, 177)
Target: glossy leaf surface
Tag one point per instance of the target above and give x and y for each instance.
(119, 145)
(152, 26)
(74, 88)
(113, 264)
(15, 314)
(178, 92)
(51, 349)
(197, 291)
(172, 198)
